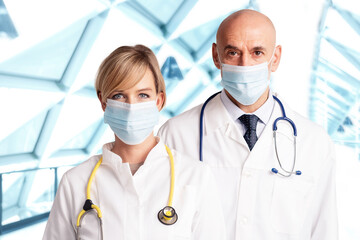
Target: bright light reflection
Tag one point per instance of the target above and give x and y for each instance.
(21, 105)
(39, 19)
(77, 114)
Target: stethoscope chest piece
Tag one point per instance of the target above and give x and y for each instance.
(168, 215)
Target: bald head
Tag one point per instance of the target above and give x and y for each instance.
(246, 38)
(247, 18)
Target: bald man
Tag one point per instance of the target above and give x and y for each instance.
(268, 190)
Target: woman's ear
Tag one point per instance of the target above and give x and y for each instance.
(103, 105)
(160, 100)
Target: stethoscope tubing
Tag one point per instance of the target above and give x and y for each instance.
(201, 123)
(78, 227)
(283, 118)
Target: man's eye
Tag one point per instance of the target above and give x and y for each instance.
(232, 53)
(258, 53)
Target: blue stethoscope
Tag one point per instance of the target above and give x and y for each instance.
(284, 118)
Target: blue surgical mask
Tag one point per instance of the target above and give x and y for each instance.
(245, 83)
(132, 123)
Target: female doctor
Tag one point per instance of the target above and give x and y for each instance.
(137, 188)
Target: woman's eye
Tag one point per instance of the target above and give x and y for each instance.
(143, 95)
(118, 96)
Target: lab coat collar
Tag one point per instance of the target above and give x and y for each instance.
(114, 160)
(219, 115)
(122, 170)
(217, 118)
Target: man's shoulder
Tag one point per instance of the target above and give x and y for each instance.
(307, 127)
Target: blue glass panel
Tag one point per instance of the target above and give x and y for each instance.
(23, 140)
(170, 70)
(12, 184)
(196, 37)
(48, 59)
(162, 10)
(6, 25)
(208, 65)
(78, 114)
(22, 200)
(82, 140)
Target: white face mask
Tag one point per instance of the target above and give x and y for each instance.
(132, 123)
(245, 83)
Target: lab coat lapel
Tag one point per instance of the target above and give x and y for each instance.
(221, 121)
(262, 155)
(154, 159)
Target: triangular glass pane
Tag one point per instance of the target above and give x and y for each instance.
(77, 114)
(206, 11)
(338, 29)
(333, 56)
(171, 71)
(49, 58)
(114, 33)
(162, 10)
(21, 105)
(82, 140)
(24, 139)
(196, 37)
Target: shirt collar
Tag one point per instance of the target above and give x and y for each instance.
(263, 113)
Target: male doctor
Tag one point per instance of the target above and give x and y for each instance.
(238, 143)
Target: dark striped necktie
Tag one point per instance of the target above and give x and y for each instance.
(250, 122)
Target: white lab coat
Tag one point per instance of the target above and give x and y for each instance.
(130, 204)
(258, 204)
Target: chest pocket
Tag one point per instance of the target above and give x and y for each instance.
(184, 203)
(89, 226)
(290, 203)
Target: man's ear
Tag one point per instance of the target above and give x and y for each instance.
(277, 57)
(215, 56)
(103, 105)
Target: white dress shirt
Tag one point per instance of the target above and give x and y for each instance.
(263, 113)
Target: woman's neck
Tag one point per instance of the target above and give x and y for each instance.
(134, 153)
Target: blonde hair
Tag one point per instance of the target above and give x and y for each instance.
(125, 67)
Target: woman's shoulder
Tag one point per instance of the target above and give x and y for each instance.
(82, 171)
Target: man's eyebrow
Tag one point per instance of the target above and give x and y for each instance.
(256, 48)
(230, 47)
(259, 48)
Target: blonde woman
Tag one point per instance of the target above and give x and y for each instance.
(137, 188)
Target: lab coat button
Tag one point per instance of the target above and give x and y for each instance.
(247, 174)
(244, 221)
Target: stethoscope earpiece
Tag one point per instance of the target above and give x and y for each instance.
(274, 170)
(168, 215)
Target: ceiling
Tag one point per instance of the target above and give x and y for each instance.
(50, 52)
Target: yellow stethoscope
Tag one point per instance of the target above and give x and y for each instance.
(167, 215)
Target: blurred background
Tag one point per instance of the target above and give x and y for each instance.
(51, 119)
